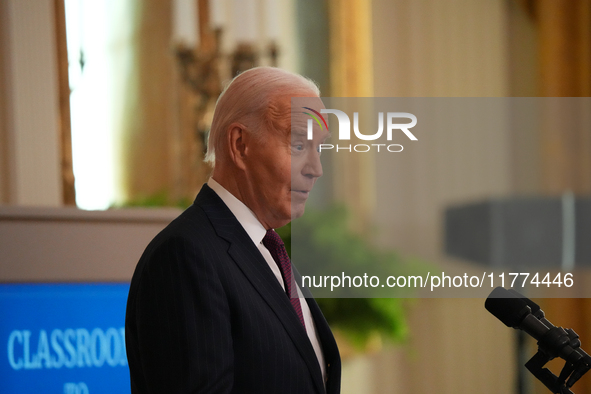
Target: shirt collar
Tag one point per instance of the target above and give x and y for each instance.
(245, 216)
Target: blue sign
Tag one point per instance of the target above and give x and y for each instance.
(63, 338)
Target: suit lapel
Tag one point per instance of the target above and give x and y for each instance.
(329, 344)
(247, 256)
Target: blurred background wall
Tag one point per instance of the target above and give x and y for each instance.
(152, 74)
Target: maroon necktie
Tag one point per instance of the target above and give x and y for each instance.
(274, 243)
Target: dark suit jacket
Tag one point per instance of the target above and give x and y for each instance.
(205, 314)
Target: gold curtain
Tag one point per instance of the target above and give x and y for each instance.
(351, 75)
(564, 28)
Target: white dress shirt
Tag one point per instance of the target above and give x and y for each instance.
(256, 232)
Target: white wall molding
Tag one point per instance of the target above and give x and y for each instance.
(30, 139)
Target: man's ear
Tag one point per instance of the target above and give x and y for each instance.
(237, 143)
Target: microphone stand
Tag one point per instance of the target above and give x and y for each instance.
(553, 341)
(577, 361)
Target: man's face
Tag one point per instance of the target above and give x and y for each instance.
(285, 168)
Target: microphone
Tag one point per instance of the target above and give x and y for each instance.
(515, 310)
(519, 312)
(535, 308)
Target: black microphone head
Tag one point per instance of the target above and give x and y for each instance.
(535, 308)
(506, 307)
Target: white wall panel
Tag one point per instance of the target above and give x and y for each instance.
(31, 98)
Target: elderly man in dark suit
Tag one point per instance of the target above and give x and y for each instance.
(209, 308)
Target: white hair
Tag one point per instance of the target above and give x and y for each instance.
(251, 98)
